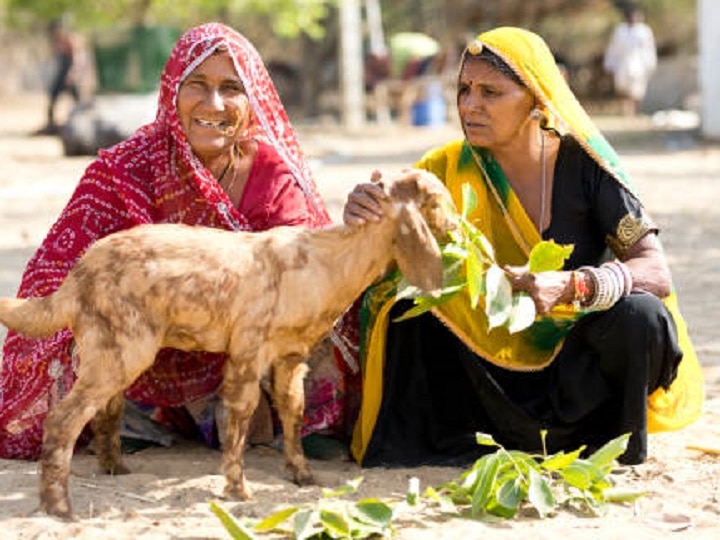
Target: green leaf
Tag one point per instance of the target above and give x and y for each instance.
(498, 299)
(236, 529)
(485, 439)
(605, 457)
(523, 463)
(469, 200)
(445, 503)
(485, 485)
(547, 256)
(617, 495)
(579, 474)
(420, 306)
(271, 522)
(454, 251)
(509, 496)
(474, 236)
(487, 247)
(475, 276)
(335, 523)
(522, 313)
(351, 486)
(306, 524)
(540, 495)
(374, 512)
(561, 460)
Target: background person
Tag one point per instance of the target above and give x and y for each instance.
(631, 57)
(68, 58)
(220, 153)
(609, 353)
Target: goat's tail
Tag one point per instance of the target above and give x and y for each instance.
(33, 317)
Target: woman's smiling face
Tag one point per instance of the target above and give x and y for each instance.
(210, 100)
(493, 108)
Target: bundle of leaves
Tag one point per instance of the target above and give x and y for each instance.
(502, 483)
(331, 517)
(469, 264)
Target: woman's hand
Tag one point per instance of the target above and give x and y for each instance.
(547, 289)
(363, 203)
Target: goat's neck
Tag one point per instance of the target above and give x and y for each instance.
(359, 256)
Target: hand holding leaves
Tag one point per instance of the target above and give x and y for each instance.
(469, 264)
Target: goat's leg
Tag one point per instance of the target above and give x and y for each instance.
(61, 431)
(289, 396)
(241, 393)
(106, 428)
(105, 371)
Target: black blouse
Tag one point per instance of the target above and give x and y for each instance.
(592, 210)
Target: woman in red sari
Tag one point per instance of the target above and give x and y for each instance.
(220, 153)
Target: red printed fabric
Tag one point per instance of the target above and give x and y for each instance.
(154, 177)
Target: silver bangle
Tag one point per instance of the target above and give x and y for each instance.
(609, 287)
(623, 274)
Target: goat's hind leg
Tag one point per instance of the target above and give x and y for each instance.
(61, 431)
(289, 397)
(104, 374)
(241, 393)
(106, 431)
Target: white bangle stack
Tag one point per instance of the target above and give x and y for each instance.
(621, 273)
(611, 281)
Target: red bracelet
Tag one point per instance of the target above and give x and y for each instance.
(581, 289)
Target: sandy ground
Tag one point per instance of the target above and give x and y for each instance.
(167, 495)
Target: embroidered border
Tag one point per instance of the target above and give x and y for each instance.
(629, 230)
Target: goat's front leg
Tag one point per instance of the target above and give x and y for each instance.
(289, 396)
(241, 393)
(106, 429)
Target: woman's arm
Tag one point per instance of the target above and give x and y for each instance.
(645, 260)
(648, 266)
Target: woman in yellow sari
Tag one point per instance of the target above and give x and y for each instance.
(608, 353)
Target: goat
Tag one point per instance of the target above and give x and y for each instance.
(264, 298)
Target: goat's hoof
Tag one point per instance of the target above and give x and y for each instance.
(239, 493)
(304, 478)
(55, 505)
(117, 470)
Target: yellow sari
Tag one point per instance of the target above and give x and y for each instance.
(503, 220)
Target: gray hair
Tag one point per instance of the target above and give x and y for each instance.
(494, 61)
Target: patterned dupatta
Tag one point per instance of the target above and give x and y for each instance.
(501, 217)
(151, 177)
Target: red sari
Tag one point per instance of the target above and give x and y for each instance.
(154, 177)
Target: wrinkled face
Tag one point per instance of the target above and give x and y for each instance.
(212, 106)
(493, 108)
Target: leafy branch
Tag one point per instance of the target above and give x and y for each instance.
(329, 518)
(469, 264)
(501, 483)
(496, 486)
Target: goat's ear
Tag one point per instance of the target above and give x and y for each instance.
(417, 252)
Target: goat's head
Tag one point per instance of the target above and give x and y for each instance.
(425, 215)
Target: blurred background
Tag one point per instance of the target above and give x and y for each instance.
(321, 54)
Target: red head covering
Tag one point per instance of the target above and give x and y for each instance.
(178, 175)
